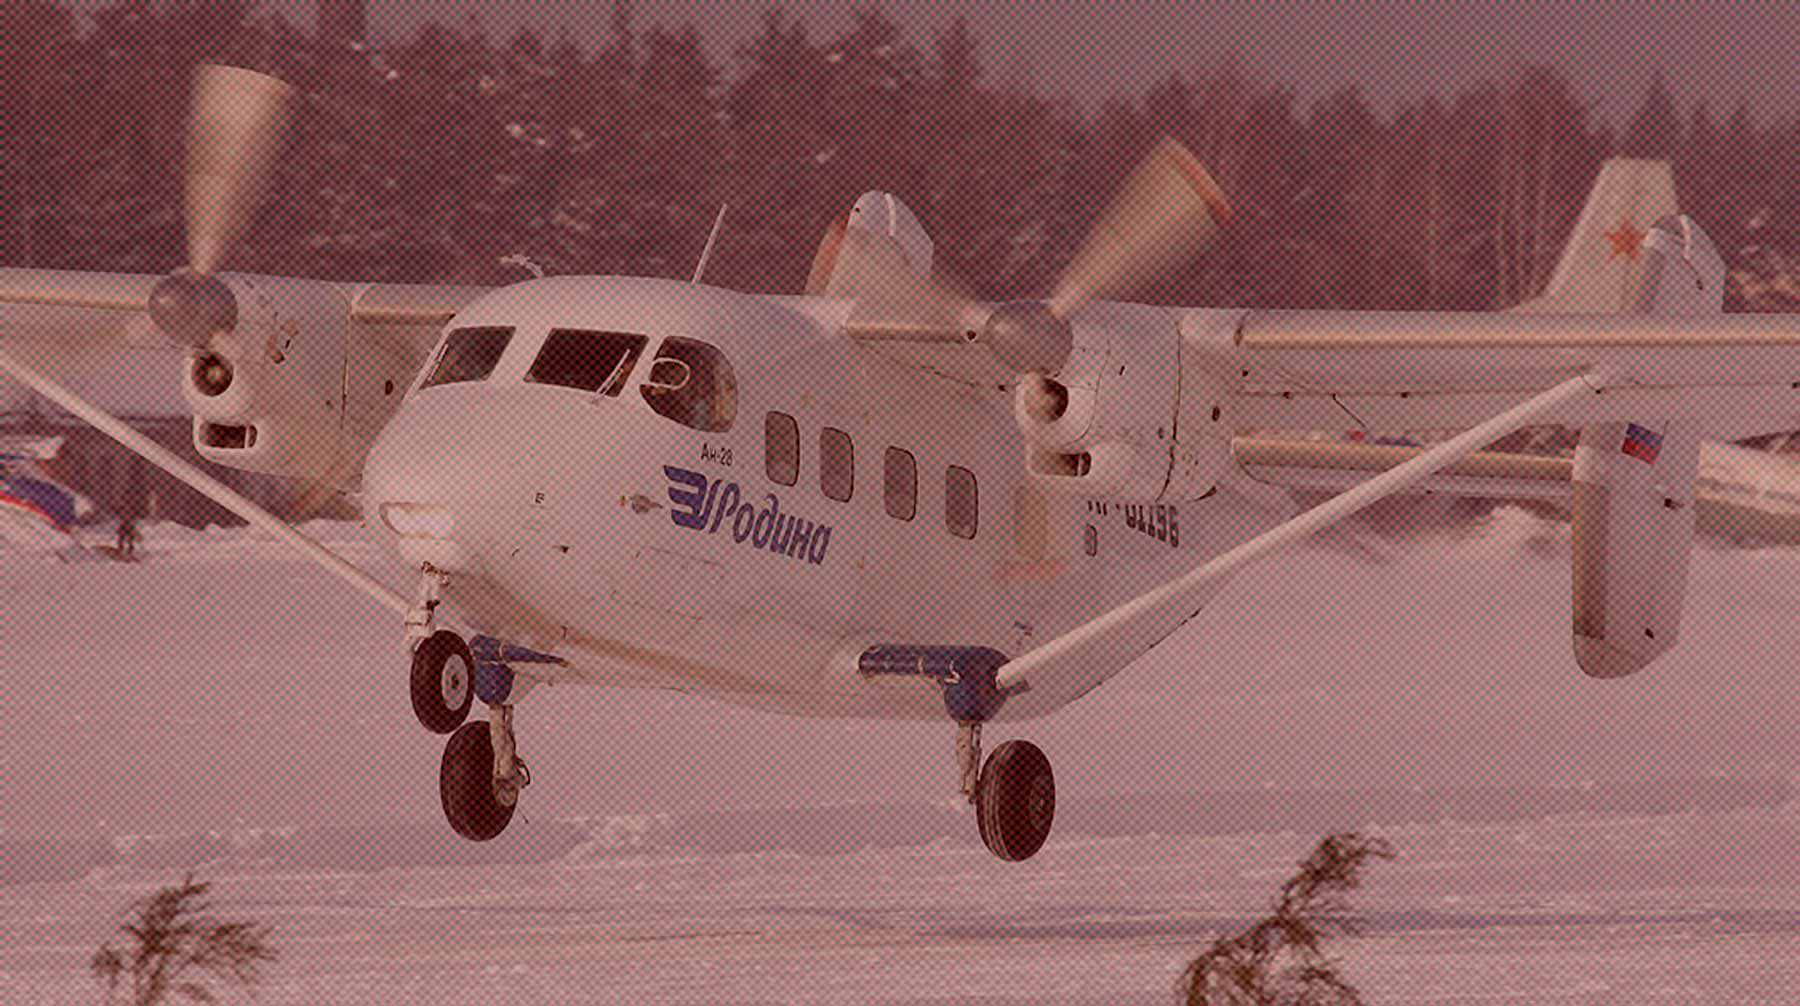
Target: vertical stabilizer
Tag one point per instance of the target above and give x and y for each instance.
(1604, 262)
(878, 246)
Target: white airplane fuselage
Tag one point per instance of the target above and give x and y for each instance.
(646, 552)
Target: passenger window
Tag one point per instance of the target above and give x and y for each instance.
(587, 360)
(900, 484)
(837, 464)
(691, 383)
(469, 354)
(781, 448)
(962, 502)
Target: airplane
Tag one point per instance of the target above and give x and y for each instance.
(1748, 497)
(881, 498)
(38, 511)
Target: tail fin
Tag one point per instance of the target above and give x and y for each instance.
(1602, 266)
(878, 244)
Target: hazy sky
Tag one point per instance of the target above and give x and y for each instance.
(1724, 53)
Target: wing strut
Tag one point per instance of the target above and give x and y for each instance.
(1069, 652)
(203, 483)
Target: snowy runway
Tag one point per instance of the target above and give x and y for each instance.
(221, 707)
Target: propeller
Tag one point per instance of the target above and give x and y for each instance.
(1167, 209)
(235, 128)
(1165, 212)
(239, 119)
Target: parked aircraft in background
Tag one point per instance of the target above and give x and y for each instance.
(38, 511)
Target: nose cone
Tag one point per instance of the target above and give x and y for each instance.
(432, 482)
(468, 477)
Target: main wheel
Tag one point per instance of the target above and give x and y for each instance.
(466, 785)
(443, 682)
(1015, 801)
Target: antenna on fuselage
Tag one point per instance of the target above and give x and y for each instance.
(711, 240)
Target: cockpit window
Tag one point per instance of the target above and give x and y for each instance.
(469, 354)
(587, 360)
(691, 383)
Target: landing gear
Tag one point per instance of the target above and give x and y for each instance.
(481, 776)
(443, 682)
(1014, 794)
(1015, 801)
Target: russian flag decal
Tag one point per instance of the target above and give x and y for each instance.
(1641, 443)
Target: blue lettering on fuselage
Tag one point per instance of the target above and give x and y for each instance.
(710, 505)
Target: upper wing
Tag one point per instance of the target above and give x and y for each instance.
(291, 376)
(114, 291)
(1642, 388)
(1670, 352)
(80, 333)
(1316, 370)
(1637, 295)
(69, 292)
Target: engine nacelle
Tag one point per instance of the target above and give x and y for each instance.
(1123, 418)
(295, 388)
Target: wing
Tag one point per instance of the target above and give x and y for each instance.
(68, 324)
(1643, 388)
(310, 364)
(71, 302)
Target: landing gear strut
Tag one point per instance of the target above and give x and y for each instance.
(1014, 794)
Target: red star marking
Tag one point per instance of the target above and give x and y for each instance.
(1627, 240)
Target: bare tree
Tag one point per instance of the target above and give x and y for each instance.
(1545, 155)
(1281, 960)
(174, 946)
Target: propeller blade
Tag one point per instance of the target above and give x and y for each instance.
(825, 259)
(237, 123)
(1164, 213)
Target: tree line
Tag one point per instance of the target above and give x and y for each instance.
(437, 157)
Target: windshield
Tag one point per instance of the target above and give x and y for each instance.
(691, 383)
(469, 354)
(587, 360)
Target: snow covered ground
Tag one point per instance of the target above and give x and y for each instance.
(224, 708)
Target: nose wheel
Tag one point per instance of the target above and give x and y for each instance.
(443, 682)
(478, 785)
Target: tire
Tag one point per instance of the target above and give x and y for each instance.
(443, 682)
(466, 785)
(1015, 802)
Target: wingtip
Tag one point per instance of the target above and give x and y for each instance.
(1601, 659)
